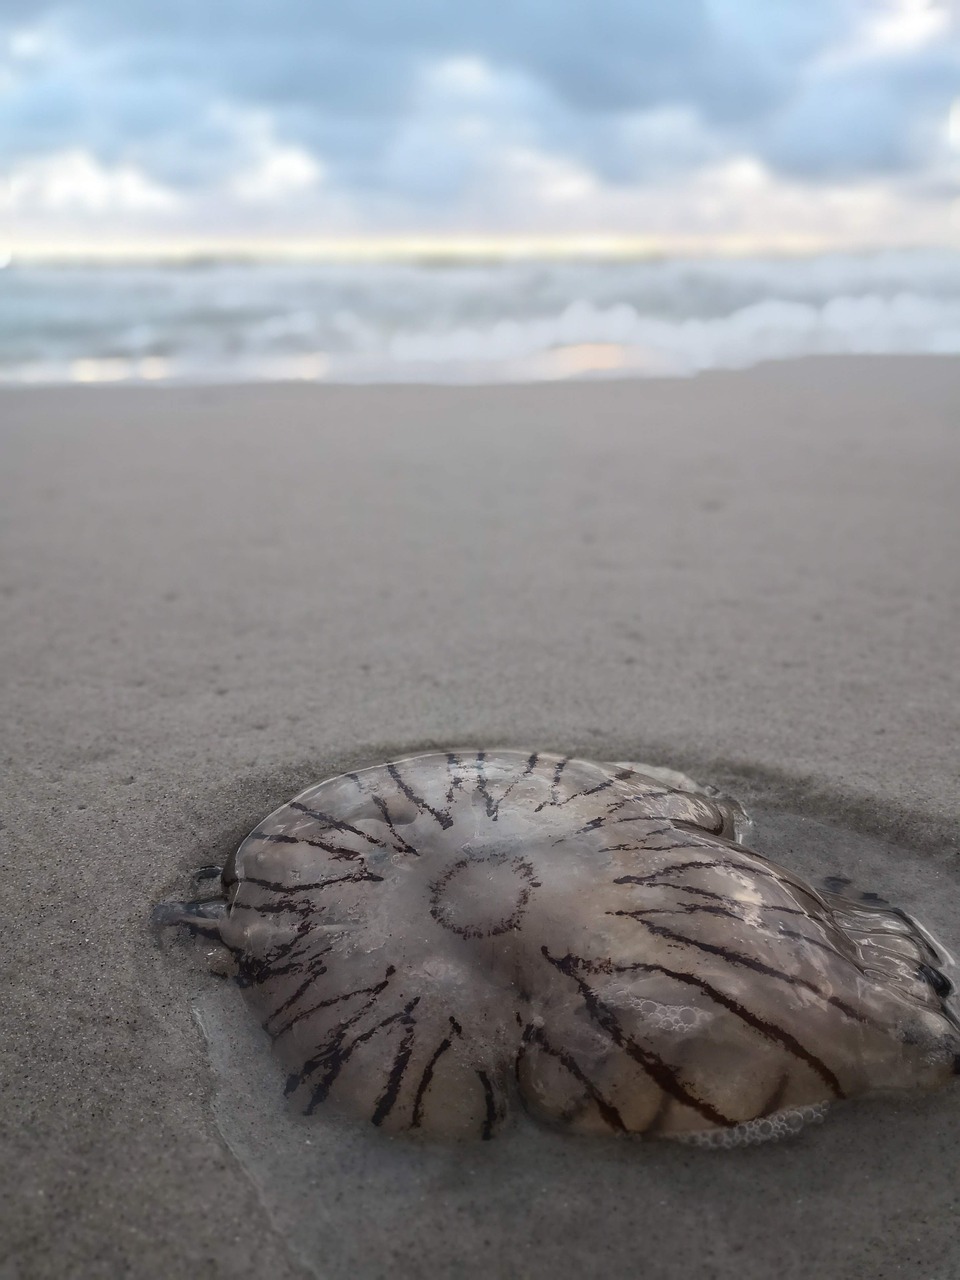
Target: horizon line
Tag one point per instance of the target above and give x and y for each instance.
(446, 247)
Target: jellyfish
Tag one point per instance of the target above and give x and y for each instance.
(433, 942)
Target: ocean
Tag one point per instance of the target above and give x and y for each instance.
(476, 321)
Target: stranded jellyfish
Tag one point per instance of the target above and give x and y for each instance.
(431, 941)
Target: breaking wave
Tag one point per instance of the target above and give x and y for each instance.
(480, 322)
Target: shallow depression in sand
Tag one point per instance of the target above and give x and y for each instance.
(350, 1200)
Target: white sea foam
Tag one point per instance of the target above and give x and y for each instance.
(463, 323)
(782, 1124)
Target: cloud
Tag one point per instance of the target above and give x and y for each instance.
(76, 184)
(275, 171)
(878, 109)
(430, 113)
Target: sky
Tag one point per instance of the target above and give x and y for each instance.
(728, 125)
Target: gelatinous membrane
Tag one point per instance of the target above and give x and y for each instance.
(427, 940)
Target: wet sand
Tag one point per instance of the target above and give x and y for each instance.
(212, 597)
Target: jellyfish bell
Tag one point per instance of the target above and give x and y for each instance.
(431, 941)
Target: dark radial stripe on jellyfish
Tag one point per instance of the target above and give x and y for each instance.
(733, 957)
(666, 1077)
(384, 812)
(771, 1030)
(391, 1089)
(455, 781)
(491, 1111)
(558, 769)
(532, 761)
(315, 966)
(427, 1075)
(277, 1029)
(488, 800)
(608, 1112)
(440, 816)
(432, 940)
(696, 891)
(328, 823)
(336, 851)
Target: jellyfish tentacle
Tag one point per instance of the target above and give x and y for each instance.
(202, 916)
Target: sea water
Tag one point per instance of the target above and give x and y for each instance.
(466, 321)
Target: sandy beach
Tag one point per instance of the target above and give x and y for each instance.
(215, 596)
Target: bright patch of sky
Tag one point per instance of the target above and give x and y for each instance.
(706, 122)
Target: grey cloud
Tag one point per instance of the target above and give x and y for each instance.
(610, 56)
(627, 89)
(876, 117)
